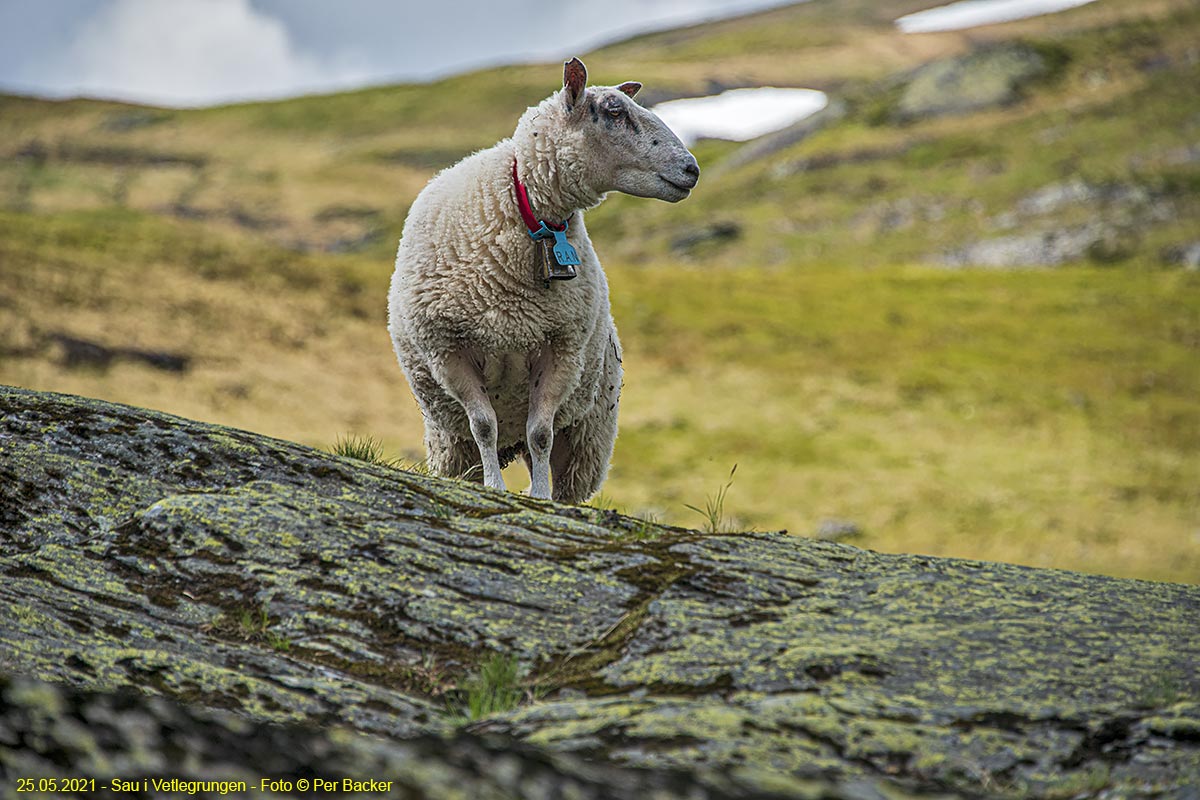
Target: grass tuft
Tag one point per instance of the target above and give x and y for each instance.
(418, 467)
(603, 502)
(646, 528)
(1162, 692)
(363, 448)
(250, 625)
(494, 689)
(714, 508)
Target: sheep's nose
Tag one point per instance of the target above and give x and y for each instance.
(691, 172)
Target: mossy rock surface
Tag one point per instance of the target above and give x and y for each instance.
(63, 734)
(277, 584)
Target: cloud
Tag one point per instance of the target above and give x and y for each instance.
(191, 52)
(201, 52)
(420, 41)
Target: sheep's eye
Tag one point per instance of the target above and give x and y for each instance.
(615, 111)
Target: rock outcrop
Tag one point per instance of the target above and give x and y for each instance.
(65, 741)
(986, 77)
(232, 581)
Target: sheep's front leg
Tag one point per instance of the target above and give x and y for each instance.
(552, 378)
(463, 378)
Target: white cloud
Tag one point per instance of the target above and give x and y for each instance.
(970, 13)
(190, 52)
(201, 52)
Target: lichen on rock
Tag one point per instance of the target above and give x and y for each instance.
(279, 585)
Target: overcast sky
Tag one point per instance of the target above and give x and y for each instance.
(200, 52)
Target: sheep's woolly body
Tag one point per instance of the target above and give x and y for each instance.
(499, 362)
(465, 277)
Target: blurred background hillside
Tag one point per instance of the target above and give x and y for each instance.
(956, 312)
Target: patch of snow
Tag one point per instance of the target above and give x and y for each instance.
(970, 13)
(739, 114)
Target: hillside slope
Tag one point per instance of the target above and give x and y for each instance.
(811, 314)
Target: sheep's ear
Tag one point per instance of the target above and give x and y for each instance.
(630, 87)
(574, 80)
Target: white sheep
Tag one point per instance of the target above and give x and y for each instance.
(503, 360)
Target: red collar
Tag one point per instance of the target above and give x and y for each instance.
(531, 221)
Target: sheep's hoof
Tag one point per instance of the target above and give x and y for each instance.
(529, 492)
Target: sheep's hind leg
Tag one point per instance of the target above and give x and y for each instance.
(463, 378)
(583, 451)
(551, 379)
(579, 466)
(451, 457)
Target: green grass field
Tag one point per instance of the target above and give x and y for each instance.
(1046, 416)
(1041, 417)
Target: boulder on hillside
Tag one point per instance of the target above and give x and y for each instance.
(1093, 242)
(984, 78)
(1186, 255)
(149, 559)
(124, 742)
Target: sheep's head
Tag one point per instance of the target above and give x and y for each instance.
(627, 148)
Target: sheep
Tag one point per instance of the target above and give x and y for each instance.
(510, 349)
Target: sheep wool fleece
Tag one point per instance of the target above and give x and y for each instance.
(465, 281)
(475, 329)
